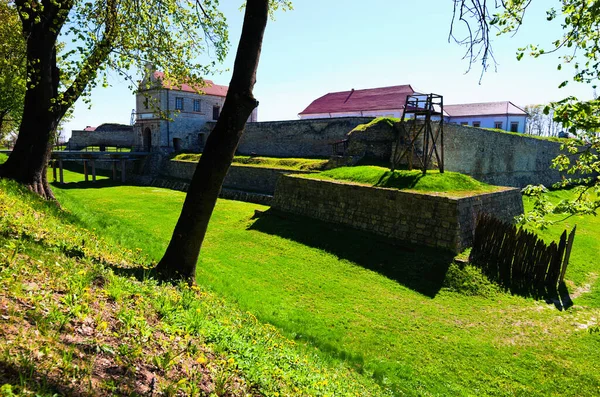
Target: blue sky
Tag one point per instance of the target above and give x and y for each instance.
(331, 45)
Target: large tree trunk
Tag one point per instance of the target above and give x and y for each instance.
(28, 161)
(179, 261)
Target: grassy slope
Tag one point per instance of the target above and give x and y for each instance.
(270, 162)
(387, 120)
(71, 325)
(433, 181)
(381, 308)
(542, 138)
(584, 267)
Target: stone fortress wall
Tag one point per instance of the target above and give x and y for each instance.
(239, 177)
(498, 158)
(104, 135)
(295, 138)
(428, 219)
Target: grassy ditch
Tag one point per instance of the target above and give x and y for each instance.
(74, 322)
(433, 181)
(297, 164)
(405, 317)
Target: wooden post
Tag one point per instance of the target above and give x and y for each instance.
(60, 167)
(567, 255)
(54, 170)
(114, 170)
(122, 171)
(85, 170)
(93, 171)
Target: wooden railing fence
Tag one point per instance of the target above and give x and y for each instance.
(516, 258)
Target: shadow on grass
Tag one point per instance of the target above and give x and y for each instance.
(399, 180)
(28, 378)
(101, 183)
(419, 268)
(559, 297)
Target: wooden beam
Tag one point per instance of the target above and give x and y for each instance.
(85, 170)
(60, 166)
(123, 171)
(93, 171)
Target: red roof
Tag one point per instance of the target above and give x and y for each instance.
(88, 128)
(384, 98)
(209, 89)
(484, 109)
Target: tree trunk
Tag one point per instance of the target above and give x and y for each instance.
(181, 256)
(28, 161)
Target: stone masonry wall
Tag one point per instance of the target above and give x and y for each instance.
(240, 177)
(80, 139)
(296, 138)
(500, 159)
(427, 219)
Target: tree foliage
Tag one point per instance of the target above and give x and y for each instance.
(541, 122)
(12, 69)
(101, 35)
(578, 47)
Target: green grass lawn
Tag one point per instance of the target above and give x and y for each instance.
(74, 321)
(405, 316)
(585, 257)
(433, 181)
(298, 164)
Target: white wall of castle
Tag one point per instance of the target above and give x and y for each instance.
(364, 113)
(504, 122)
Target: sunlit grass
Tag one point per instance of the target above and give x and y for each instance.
(404, 316)
(299, 164)
(432, 181)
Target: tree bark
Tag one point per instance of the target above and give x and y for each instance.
(44, 107)
(181, 256)
(28, 161)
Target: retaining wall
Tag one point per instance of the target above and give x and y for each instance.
(428, 219)
(500, 159)
(240, 177)
(81, 139)
(296, 138)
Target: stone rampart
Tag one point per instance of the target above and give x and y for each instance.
(296, 138)
(500, 159)
(80, 139)
(428, 219)
(239, 177)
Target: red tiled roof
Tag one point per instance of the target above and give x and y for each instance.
(88, 128)
(210, 88)
(384, 98)
(484, 109)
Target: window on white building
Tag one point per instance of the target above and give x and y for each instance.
(178, 103)
(514, 126)
(197, 105)
(216, 112)
(498, 125)
(476, 123)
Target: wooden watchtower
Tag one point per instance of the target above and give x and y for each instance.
(420, 134)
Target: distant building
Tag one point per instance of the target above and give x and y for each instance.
(372, 102)
(188, 109)
(390, 101)
(500, 115)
